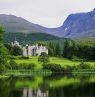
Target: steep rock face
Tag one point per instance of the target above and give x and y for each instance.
(75, 26)
(79, 25)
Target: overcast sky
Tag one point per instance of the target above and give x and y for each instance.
(49, 13)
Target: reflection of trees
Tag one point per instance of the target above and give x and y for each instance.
(48, 86)
(4, 88)
(56, 92)
(86, 90)
(7, 88)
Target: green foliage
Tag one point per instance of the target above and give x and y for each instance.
(84, 66)
(55, 47)
(29, 38)
(43, 58)
(13, 64)
(88, 41)
(27, 66)
(9, 48)
(14, 50)
(2, 68)
(74, 50)
(1, 33)
(24, 57)
(3, 53)
(23, 66)
(58, 50)
(17, 50)
(55, 68)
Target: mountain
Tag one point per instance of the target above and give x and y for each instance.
(78, 25)
(17, 24)
(23, 30)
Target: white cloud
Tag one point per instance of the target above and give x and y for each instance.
(50, 13)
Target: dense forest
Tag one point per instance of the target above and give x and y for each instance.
(67, 48)
(71, 49)
(29, 38)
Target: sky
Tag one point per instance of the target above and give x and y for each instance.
(48, 13)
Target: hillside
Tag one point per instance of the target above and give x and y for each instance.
(13, 24)
(75, 26)
(86, 41)
(78, 25)
(29, 38)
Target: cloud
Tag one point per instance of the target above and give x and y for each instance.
(49, 13)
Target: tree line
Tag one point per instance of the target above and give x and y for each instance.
(70, 49)
(66, 48)
(3, 52)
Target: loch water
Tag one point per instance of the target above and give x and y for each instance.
(48, 86)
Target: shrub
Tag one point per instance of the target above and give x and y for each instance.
(43, 58)
(31, 66)
(2, 68)
(24, 57)
(12, 57)
(26, 66)
(69, 68)
(13, 64)
(84, 66)
(55, 68)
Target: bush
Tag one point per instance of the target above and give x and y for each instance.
(55, 68)
(75, 58)
(29, 66)
(12, 57)
(43, 58)
(69, 68)
(24, 57)
(13, 64)
(84, 66)
(2, 68)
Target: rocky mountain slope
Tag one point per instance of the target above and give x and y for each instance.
(75, 26)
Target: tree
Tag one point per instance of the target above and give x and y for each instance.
(43, 58)
(58, 50)
(51, 48)
(1, 33)
(9, 48)
(3, 52)
(66, 49)
(17, 51)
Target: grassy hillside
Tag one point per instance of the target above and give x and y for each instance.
(28, 38)
(86, 41)
(62, 61)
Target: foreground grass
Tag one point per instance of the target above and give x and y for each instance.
(28, 72)
(62, 61)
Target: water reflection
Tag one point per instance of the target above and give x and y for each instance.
(28, 92)
(52, 86)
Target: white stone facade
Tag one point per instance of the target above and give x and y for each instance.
(31, 50)
(34, 50)
(15, 43)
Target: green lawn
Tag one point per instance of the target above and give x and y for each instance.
(62, 61)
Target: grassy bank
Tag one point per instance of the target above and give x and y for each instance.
(62, 61)
(28, 72)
